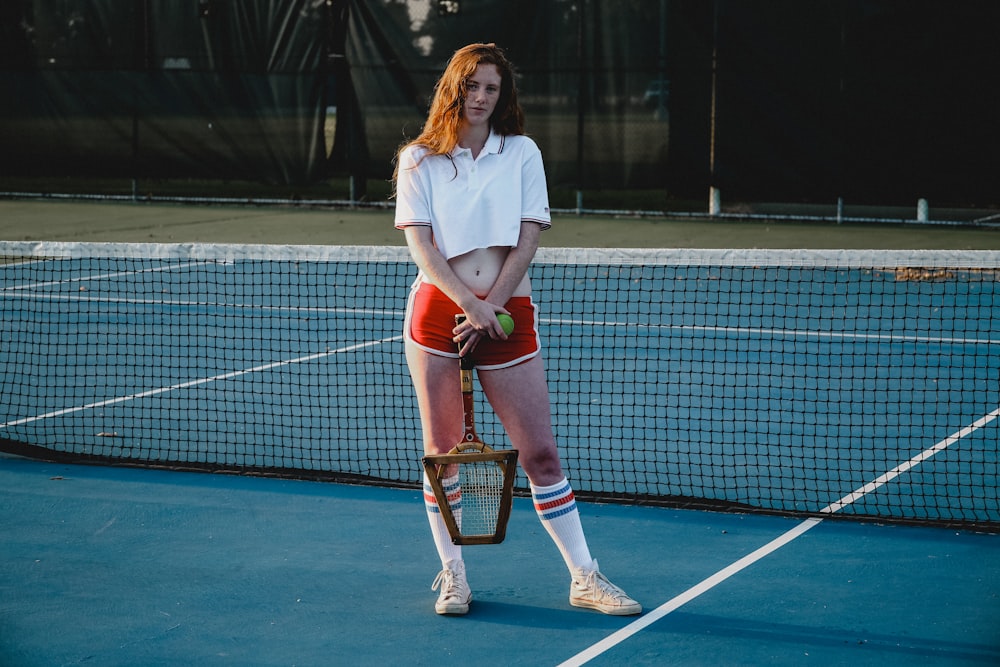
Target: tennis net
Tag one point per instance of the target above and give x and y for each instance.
(858, 383)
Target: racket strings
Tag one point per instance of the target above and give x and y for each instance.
(481, 490)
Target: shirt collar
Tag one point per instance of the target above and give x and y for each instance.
(494, 144)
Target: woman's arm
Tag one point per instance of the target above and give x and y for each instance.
(515, 267)
(512, 275)
(480, 314)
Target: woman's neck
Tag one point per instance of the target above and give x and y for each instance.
(474, 138)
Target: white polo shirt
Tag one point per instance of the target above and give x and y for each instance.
(469, 203)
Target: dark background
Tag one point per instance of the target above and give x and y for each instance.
(877, 101)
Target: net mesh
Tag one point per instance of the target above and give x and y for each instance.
(862, 383)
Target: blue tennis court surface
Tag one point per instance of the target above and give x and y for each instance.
(782, 387)
(815, 390)
(117, 566)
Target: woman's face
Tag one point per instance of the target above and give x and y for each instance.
(482, 93)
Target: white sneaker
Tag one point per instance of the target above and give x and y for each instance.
(455, 595)
(592, 590)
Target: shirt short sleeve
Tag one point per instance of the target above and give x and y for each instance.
(412, 195)
(534, 191)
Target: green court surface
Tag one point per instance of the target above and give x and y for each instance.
(169, 223)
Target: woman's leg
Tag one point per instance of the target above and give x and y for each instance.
(439, 398)
(520, 397)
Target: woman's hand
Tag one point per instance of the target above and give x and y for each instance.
(480, 322)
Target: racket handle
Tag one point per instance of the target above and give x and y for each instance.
(464, 362)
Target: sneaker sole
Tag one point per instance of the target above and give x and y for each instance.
(629, 610)
(454, 609)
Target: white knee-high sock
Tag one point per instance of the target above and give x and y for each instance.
(556, 508)
(447, 550)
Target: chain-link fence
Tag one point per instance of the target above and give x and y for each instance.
(722, 106)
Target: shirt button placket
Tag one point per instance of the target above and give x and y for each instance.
(474, 176)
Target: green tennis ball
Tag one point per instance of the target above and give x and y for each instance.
(506, 323)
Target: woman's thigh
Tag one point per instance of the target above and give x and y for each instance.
(438, 387)
(520, 397)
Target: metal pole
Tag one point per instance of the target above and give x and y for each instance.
(661, 106)
(580, 92)
(714, 197)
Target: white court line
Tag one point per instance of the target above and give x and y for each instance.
(616, 638)
(791, 333)
(788, 333)
(200, 381)
(648, 619)
(916, 460)
(208, 304)
(101, 276)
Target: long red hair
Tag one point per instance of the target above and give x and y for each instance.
(440, 133)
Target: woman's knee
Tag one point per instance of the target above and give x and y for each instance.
(540, 464)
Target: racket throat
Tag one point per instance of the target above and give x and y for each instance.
(468, 408)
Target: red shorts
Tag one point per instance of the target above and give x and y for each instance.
(430, 318)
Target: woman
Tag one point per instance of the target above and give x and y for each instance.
(472, 201)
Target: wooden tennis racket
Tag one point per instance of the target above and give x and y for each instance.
(480, 505)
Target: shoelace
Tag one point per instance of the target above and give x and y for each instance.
(597, 582)
(446, 582)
